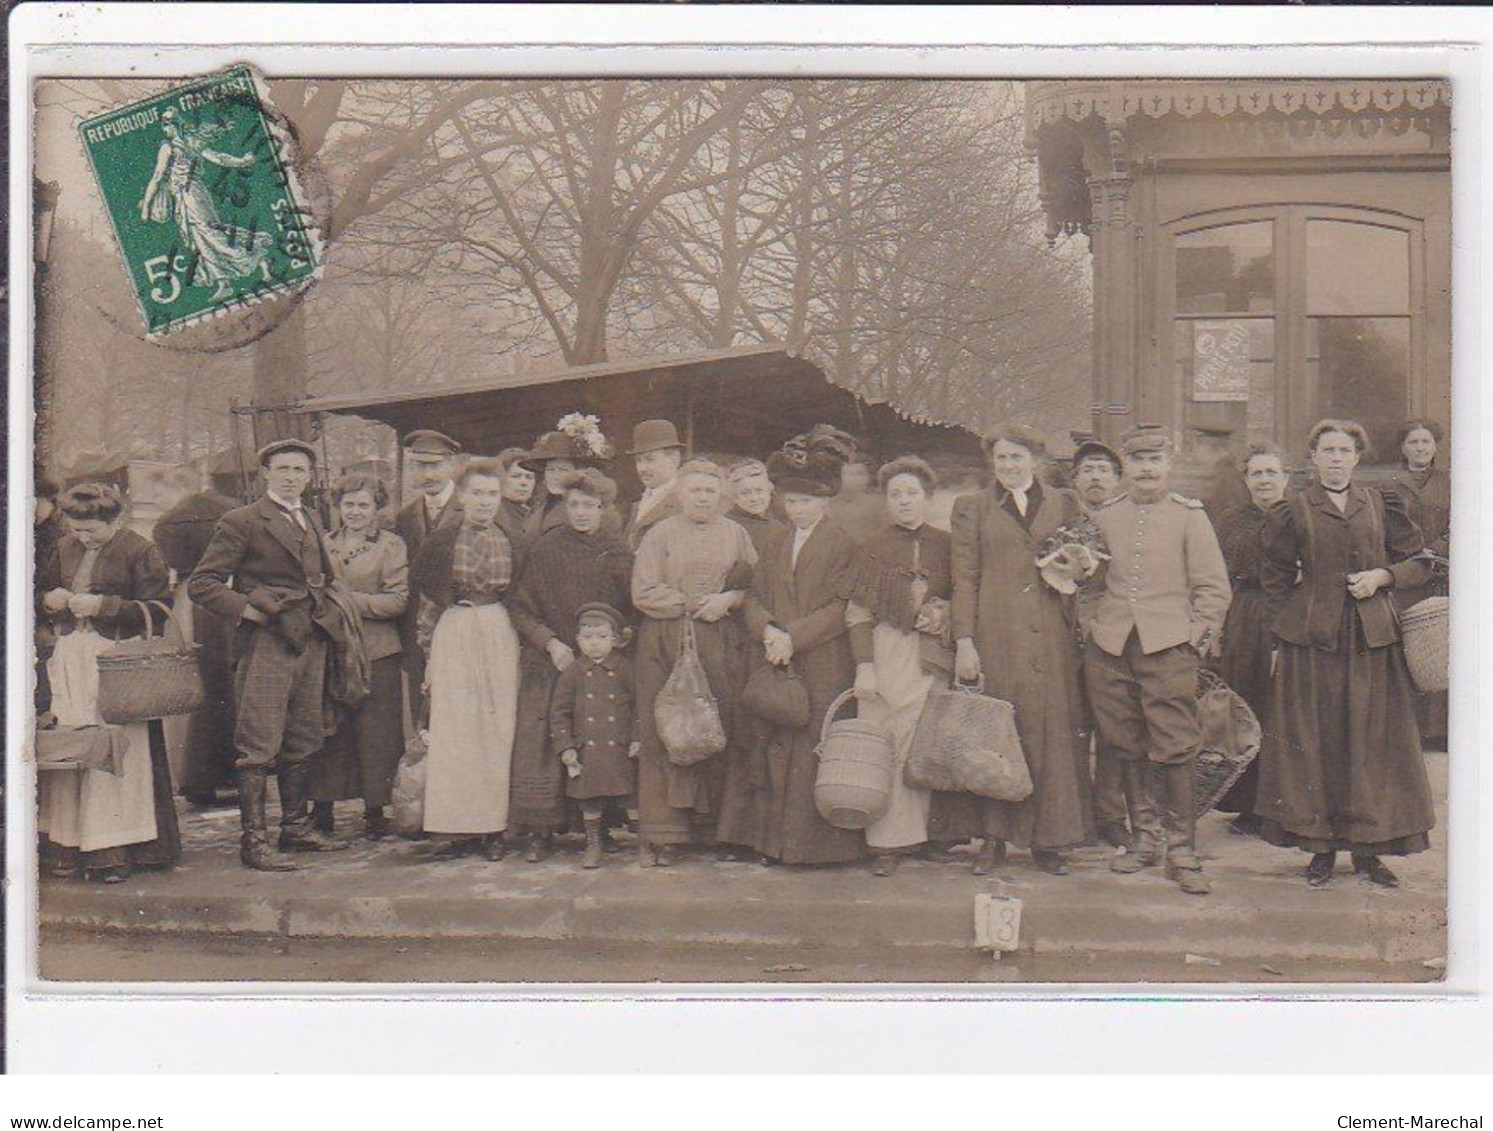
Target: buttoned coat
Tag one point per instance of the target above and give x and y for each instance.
(592, 713)
(378, 580)
(1306, 531)
(260, 547)
(1023, 632)
(1166, 578)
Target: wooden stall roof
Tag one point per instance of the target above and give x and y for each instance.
(745, 400)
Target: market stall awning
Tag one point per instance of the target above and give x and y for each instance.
(738, 401)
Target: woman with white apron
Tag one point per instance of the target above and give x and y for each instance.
(105, 791)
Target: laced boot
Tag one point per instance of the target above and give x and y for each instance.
(255, 849)
(991, 856)
(323, 817)
(592, 859)
(538, 849)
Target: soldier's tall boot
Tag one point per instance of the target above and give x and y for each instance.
(1144, 849)
(1182, 863)
(255, 849)
(297, 833)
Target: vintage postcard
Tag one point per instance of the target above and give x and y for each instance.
(859, 533)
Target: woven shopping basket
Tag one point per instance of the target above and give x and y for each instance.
(1425, 629)
(853, 787)
(153, 677)
(1231, 740)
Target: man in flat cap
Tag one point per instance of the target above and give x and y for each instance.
(1096, 480)
(432, 459)
(656, 453)
(1160, 608)
(265, 571)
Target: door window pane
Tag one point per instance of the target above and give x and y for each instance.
(1356, 269)
(1227, 270)
(1360, 368)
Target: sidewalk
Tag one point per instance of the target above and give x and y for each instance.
(1261, 908)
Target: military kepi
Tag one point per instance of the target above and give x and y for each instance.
(427, 445)
(1146, 438)
(275, 447)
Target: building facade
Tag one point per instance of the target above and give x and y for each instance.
(1265, 253)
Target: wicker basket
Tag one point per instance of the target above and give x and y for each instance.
(1231, 740)
(150, 678)
(1425, 628)
(854, 786)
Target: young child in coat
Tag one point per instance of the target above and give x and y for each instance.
(593, 727)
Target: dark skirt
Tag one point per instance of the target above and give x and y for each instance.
(678, 804)
(536, 787)
(1245, 667)
(209, 753)
(1341, 767)
(360, 760)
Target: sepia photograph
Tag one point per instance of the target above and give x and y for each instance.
(851, 531)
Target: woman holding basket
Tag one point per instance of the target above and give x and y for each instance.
(898, 615)
(102, 820)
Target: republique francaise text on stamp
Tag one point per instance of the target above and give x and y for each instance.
(203, 201)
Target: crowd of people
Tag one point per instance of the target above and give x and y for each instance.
(522, 625)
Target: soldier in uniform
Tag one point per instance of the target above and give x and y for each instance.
(1160, 608)
(432, 457)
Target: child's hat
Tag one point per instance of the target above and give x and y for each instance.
(598, 612)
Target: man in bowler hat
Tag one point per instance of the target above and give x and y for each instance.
(656, 453)
(265, 571)
(432, 459)
(1160, 609)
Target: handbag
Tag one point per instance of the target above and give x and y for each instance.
(966, 742)
(685, 711)
(152, 677)
(777, 694)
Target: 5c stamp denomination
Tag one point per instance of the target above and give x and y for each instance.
(203, 201)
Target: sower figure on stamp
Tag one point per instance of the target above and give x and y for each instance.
(266, 571)
(1161, 606)
(432, 458)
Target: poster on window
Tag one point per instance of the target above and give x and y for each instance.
(1220, 361)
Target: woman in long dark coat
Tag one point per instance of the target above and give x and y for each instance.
(1341, 765)
(569, 566)
(795, 614)
(697, 564)
(1248, 639)
(1016, 633)
(1425, 485)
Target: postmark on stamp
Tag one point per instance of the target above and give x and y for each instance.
(204, 201)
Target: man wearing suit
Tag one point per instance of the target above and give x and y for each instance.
(265, 571)
(432, 458)
(656, 453)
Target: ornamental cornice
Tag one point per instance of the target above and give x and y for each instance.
(1115, 102)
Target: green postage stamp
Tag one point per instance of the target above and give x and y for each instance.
(203, 199)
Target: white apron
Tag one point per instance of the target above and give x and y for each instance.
(902, 689)
(473, 674)
(93, 809)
